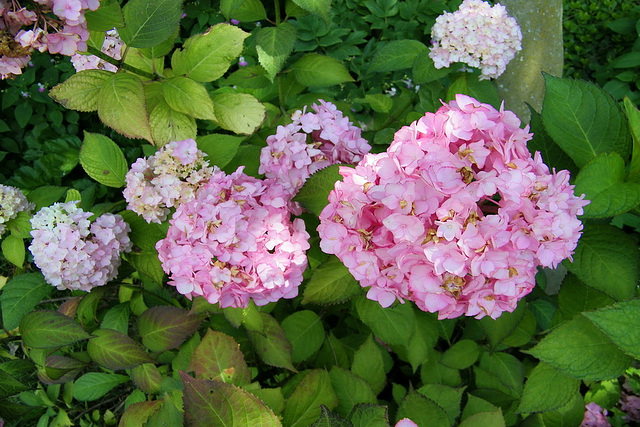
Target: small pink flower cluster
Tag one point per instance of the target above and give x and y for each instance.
(235, 241)
(74, 253)
(165, 180)
(311, 142)
(595, 416)
(12, 201)
(477, 34)
(112, 46)
(455, 216)
(69, 35)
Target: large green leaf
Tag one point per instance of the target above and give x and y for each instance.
(321, 8)
(169, 125)
(166, 327)
(50, 329)
(547, 389)
(305, 332)
(240, 113)
(303, 406)
(461, 355)
(206, 57)
(393, 325)
(189, 97)
(350, 390)
(607, 259)
(220, 148)
(633, 115)
(368, 365)
(448, 398)
(94, 385)
(274, 45)
(314, 194)
(621, 323)
(579, 349)
(13, 250)
(115, 350)
(397, 55)
(575, 297)
(106, 17)
(422, 411)
(80, 91)
(602, 180)
(271, 344)
(315, 70)
(330, 283)
(218, 357)
(20, 295)
(149, 23)
(9, 385)
(103, 160)
(584, 120)
(243, 10)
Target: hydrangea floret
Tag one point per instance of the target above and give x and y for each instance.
(313, 141)
(235, 241)
(455, 216)
(112, 46)
(477, 34)
(595, 416)
(12, 202)
(74, 253)
(166, 179)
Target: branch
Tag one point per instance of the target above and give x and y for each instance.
(92, 50)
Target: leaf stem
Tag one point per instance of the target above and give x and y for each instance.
(276, 4)
(92, 50)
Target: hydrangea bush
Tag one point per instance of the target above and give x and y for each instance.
(307, 214)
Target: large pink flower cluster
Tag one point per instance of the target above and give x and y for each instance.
(111, 46)
(311, 142)
(235, 241)
(595, 416)
(455, 216)
(74, 253)
(477, 34)
(165, 180)
(12, 202)
(66, 34)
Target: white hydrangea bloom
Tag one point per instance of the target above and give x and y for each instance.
(12, 201)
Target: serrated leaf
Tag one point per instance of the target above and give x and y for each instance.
(206, 57)
(272, 345)
(330, 283)
(314, 194)
(117, 318)
(507, 369)
(321, 8)
(189, 97)
(50, 329)
(13, 250)
(547, 389)
(468, 84)
(575, 297)
(448, 398)
(274, 45)
(94, 385)
(10, 385)
(621, 323)
(367, 415)
(106, 17)
(220, 148)
(350, 390)
(305, 332)
(147, 263)
(20, 295)
(218, 357)
(169, 125)
(424, 70)
(147, 378)
(46, 196)
(303, 406)
(378, 102)
(139, 412)
(115, 350)
(461, 355)
(422, 411)
(121, 106)
(500, 328)
(570, 414)
(20, 225)
(493, 419)
(149, 23)
(329, 419)
(103, 160)
(607, 259)
(397, 55)
(240, 113)
(551, 152)
(633, 116)
(393, 325)
(315, 70)
(579, 349)
(584, 120)
(80, 91)
(243, 10)
(212, 403)
(166, 327)
(602, 180)
(368, 365)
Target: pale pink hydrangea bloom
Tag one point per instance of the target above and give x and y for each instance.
(74, 253)
(477, 34)
(595, 416)
(406, 422)
(165, 180)
(455, 216)
(111, 46)
(311, 142)
(235, 241)
(12, 201)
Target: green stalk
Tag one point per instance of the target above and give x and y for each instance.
(92, 50)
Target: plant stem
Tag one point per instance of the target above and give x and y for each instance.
(92, 50)
(276, 4)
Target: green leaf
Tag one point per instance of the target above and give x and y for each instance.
(249, 317)
(243, 10)
(274, 45)
(149, 23)
(378, 102)
(621, 323)
(551, 152)
(461, 355)
(138, 413)
(147, 378)
(607, 259)
(584, 120)
(13, 250)
(507, 369)
(305, 332)
(633, 116)
(46, 196)
(80, 92)
(368, 415)
(570, 414)
(23, 113)
(240, 113)
(314, 70)
(169, 125)
(206, 57)
(422, 411)
(314, 194)
(166, 327)
(272, 345)
(220, 148)
(500, 328)
(106, 17)
(218, 357)
(102, 160)
(602, 180)
(147, 263)
(94, 385)
(117, 318)
(50, 329)
(321, 8)
(482, 90)
(10, 385)
(115, 350)
(493, 419)
(330, 283)
(424, 71)
(329, 419)
(547, 389)
(303, 406)
(20, 225)
(448, 398)
(575, 297)
(627, 60)
(393, 325)
(397, 55)
(121, 106)
(578, 349)
(20, 295)
(350, 390)
(189, 97)
(214, 403)
(368, 365)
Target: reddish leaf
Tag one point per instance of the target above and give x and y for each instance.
(218, 357)
(165, 327)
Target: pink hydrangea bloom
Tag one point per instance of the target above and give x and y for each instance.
(477, 34)
(12, 202)
(311, 142)
(111, 46)
(630, 405)
(165, 180)
(406, 422)
(455, 216)
(595, 416)
(74, 253)
(235, 241)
